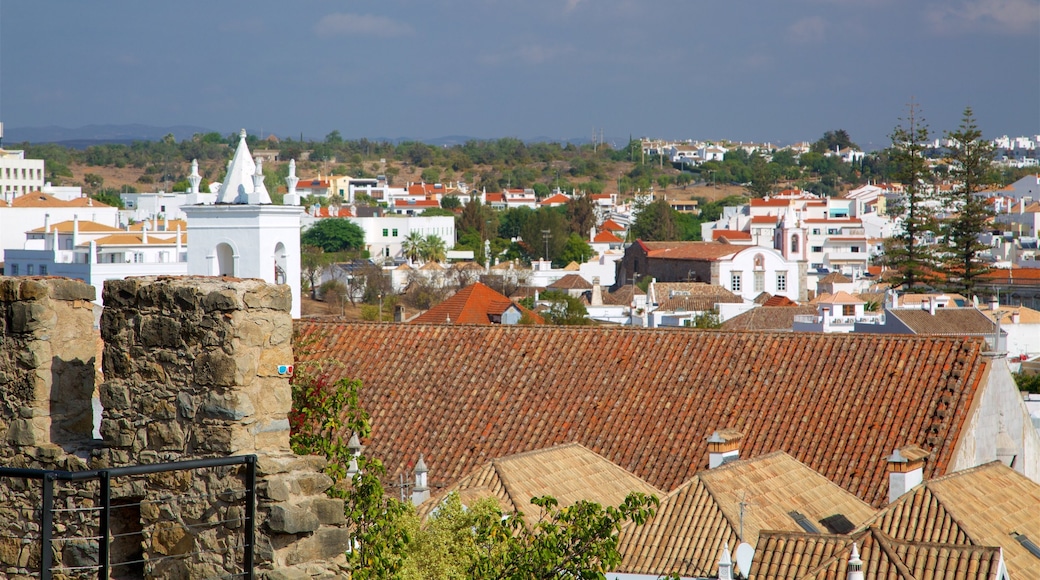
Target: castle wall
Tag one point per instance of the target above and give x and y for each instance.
(191, 371)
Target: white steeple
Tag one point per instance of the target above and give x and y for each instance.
(855, 571)
(238, 183)
(726, 564)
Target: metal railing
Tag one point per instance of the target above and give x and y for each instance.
(104, 508)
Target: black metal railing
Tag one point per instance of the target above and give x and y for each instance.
(97, 487)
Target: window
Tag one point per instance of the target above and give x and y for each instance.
(817, 266)
(833, 231)
(14, 269)
(385, 232)
(854, 249)
(43, 269)
(395, 232)
(817, 248)
(816, 231)
(781, 281)
(734, 281)
(760, 281)
(794, 243)
(848, 310)
(30, 270)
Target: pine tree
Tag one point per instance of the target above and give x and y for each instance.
(909, 253)
(971, 166)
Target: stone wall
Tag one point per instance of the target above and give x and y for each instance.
(191, 371)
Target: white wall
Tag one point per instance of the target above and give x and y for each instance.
(772, 261)
(15, 221)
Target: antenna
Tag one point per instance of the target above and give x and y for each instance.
(743, 504)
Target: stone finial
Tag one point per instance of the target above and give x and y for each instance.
(725, 564)
(855, 564)
(194, 179)
(354, 445)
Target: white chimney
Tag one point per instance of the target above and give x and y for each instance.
(855, 564)
(1016, 317)
(597, 293)
(354, 445)
(725, 564)
(905, 470)
(723, 447)
(47, 223)
(75, 230)
(420, 492)
(994, 303)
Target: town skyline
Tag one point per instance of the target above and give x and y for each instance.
(544, 70)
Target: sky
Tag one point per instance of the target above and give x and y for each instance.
(744, 70)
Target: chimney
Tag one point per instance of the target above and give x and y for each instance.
(723, 447)
(905, 470)
(420, 492)
(855, 564)
(399, 315)
(354, 445)
(994, 302)
(597, 292)
(47, 223)
(725, 564)
(75, 230)
(1016, 317)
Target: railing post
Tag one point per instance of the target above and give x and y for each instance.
(46, 527)
(104, 526)
(250, 523)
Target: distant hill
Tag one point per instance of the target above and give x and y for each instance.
(95, 134)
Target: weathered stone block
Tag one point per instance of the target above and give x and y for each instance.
(282, 487)
(221, 300)
(33, 289)
(214, 367)
(166, 436)
(65, 289)
(160, 331)
(328, 510)
(115, 396)
(273, 356)
(313, 483)
(271, 464)
(324, 544)
(290, 519)
(270, 296)
(21, 432)
(171, 538)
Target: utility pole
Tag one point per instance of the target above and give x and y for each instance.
(546, 235)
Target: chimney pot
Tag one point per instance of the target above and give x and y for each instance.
(905, 470)
(723, 447)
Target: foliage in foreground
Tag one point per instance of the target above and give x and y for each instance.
(457, 541)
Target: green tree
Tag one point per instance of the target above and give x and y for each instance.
(708, 319)
(576, 250)
(431, 175)
(433, 249)
(334, 235)
(322, 413)
(412, 246)
(581, 215)
(93, 181)
(655, 222)
(577, 541)
(970, 214)
(909, 252)
(833, 140)
(450, 202)
(565, 309)
(313, 261)
(545, 230)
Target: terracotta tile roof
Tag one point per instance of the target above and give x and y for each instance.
(765, 219)
(40, 199)
(709, 251)
(841, 297)
(948, 321)
(1013, 275)
(623, 296)
(1026, 315)
(474, 304)
(835, 278)
(606, 237)
(771, 318)
(694, 521)
(785, 555)
(646, 399)
(494, 197)
(979, 506)
(416, 203)
(67, 227)
(432, 267)
(611, 225)
(770, 202)
(571, 282)
(691, 296)
(325, 212)
(555, 199)
(730, 235)
(568, 472)
(779, 301)
(127, 239)
(909, 299)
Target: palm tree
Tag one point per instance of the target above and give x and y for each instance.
(433, 249)
(412, 246)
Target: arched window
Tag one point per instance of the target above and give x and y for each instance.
(794, 244)
(760, 262)
(225, 260)
(280, 263)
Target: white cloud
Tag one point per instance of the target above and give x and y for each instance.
(360, 24)
(1011, 16)
(807, 30)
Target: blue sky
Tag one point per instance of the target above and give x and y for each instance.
(735, 69)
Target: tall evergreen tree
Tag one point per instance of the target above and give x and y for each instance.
(909, 253)
(971, 169)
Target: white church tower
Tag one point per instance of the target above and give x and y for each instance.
(243, 235)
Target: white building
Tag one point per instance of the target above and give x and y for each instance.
(243, 234)
(29, 212)
(94, 252)
(384, 235)
(19, 175)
